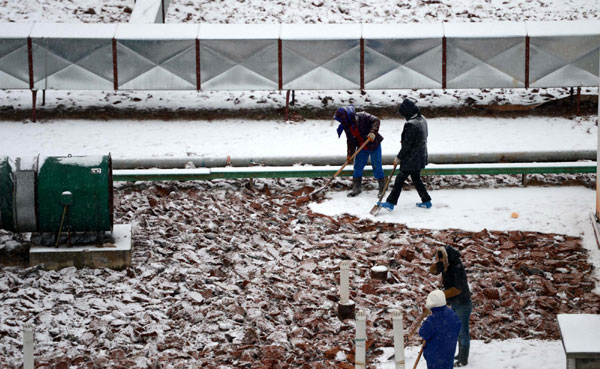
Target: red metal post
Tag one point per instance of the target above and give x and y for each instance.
(198, 81)
(287, 105)
(579, 101)
(280, 62)
(115, 68)
(30, 61)
(526, 61)
(362, 65)
(34, 96)
(444, 62)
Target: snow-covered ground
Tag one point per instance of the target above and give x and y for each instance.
(513, 353)
(313, 138)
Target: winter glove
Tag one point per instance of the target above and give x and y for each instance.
(348, 159)
(396, 161)
(371, 137)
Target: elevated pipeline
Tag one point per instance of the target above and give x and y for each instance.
(434, 158)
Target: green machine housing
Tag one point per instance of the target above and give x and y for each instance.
(41, 194)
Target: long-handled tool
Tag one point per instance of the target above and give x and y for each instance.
(341, 168)
(419, 356)
(377, 207)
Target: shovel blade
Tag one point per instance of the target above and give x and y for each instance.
(375, 210)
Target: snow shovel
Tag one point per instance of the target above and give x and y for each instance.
(341, 168)
(376, 208)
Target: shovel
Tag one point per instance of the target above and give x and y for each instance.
(376, 208)
(341, 168)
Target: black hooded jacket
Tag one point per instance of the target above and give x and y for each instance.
(413, 153)
(456, 276)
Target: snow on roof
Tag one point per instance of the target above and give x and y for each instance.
(239, 31)
(563, 28)
(15, 30)
(320, 31)
(170, 31)
(73, 30)
(402, 31)
(485, 29)
(580, 332)
(80, 161)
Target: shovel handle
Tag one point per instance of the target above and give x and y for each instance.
(352, 157)
(348, 161)
(419, 356)
(387, 182)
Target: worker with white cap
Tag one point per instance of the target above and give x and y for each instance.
(440, 332)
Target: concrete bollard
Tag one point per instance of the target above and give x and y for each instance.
(27, 346)
(398, 339)
(361, 340)
(345, 306)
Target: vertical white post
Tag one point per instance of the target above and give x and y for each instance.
(27, 346)
(361, 340)
(344, 283)
(398, 339)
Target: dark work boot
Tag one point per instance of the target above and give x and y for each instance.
(463, 359)
(458, 354)
(381, 182)
(356, 182)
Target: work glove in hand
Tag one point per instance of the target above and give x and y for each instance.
(371, 136)
(348, 159)
(396, 161)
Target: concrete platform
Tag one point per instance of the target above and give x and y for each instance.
(115, 255)
(580, 335)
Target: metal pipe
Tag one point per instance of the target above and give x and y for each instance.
(439, 158)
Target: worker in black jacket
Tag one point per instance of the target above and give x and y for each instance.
(412, 156)
(458, 295)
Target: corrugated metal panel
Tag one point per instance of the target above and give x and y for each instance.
(239, 56)
(485, 55)
(14, 72)
(156, 56)
(564, 54)
(72, 56)
(321, 56)
(403, 55)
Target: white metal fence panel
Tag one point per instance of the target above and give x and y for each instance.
(564, 53)
(14, 72)
(239, 56)
(320, 56)
(156, 56)
(485, 55)
(72, 56)
(402, 55)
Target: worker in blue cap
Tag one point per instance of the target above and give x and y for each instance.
(360, 127)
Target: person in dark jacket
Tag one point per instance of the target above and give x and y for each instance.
(458, 295)
(440, 332)
(360, 127)
(412, 156)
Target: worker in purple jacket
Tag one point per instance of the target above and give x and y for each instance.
(440, 332)
(360, 127)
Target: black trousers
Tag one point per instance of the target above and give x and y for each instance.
(415, 175)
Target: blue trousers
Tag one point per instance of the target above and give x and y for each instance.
(361, 160)
(464, 312)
